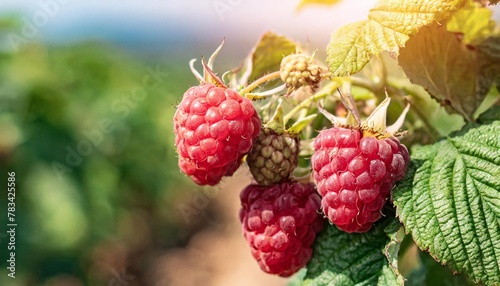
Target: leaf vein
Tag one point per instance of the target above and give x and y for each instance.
(466, 195)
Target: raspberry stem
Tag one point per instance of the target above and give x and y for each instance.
(306, 103)
(262, 95)
(259, 81)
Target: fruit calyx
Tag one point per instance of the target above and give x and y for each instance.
(208, 74)
(375, 124)
(278, 124)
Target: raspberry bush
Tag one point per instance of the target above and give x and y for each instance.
(334, 189)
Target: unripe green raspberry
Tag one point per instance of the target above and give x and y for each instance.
(273, 157)
(298, 70)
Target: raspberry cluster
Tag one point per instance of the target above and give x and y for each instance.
(355, 174)
(280, 222)
(354, 166)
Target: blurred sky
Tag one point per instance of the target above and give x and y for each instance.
(180, 25)
(187, 26)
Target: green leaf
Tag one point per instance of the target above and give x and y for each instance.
(391, 250)
(297, 278)
(342, 258)
(431, 272)
(268, 53)
(488, 64)
(458, 77)
(346, 50)
(304, 3)
(389, 25)
(450, 200)
(489, 116)
(302, 123)
(437, 61)
(473, 22)
(276, 122)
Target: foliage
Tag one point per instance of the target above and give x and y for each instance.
(449, 199)
(359, 257)
(448, 203)
(124, 190)
(390, 24)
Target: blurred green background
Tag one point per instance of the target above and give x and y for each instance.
(86, 127)
(80, 186)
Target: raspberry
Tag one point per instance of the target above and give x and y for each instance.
(207, 177)
(214, 128)
(273, 157)
(280, 222)
(355, 173)
(299, 70)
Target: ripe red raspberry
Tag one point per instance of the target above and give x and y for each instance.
(214, 128)
(207, 177)
(355, 174)
(281, 222)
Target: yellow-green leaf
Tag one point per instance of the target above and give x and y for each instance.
(473, 21)
(346, 51)
(268, 54)
(304, 3)
(389, 25)
(435, 59)
(408, 16)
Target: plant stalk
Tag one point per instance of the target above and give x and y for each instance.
(304, 104)
(259, 81)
